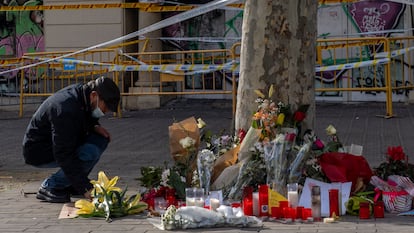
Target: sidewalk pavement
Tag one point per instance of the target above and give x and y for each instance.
(140, 138)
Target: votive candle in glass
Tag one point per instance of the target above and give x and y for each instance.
(333, 202)
(364, 210)
(293, 195)
(247, 202)
(379, 209)
(263, 200)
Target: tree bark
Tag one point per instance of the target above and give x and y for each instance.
(278, 47)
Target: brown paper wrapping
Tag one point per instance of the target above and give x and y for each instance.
(226, 160)
(180, 130)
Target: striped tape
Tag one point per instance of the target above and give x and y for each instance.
(352, 65)
(230, 66)
(149, 7)
(394, 53)
(159, 25)
(166, 68)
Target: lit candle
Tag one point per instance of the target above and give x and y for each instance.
(214, 203)
(190, 201)
(293, 198)
(199, 203)
(256, 203)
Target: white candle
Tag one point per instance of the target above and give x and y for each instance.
(293, 198)
(256, 203)
(199, 202)
(190, 201)
(214, 203)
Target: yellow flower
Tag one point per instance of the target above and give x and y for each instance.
(330, 130)
(259, 93)
(271, 90)
(136, 206)
(200, 123)
(104, 183)
(84, 207)
(280, 119)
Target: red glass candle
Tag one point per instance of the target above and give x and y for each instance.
(379, 209)
(306, 213)
(170, 196)
(283, 205)
(292, 213)
(263, 200)
(299, 211)
(364, 210)
(276, 212)
(247, 202)
(333, 202)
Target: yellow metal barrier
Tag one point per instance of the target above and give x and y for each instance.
(345, 64)
(174, 73)
(196, 72)
(45, 79)
(378, 65)
(401, 63)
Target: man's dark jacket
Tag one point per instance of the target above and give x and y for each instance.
(56, 130)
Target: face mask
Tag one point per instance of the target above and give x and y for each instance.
(97, 112)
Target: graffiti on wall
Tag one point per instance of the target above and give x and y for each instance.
(368, 19)
(213, 24)
(20, 32)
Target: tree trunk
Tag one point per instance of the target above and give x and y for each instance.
(278, 47)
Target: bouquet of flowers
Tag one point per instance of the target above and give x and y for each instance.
(192, 166)
(109, 201)
(396, 164)
(278, 154)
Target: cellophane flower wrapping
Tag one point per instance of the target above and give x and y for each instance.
(205, 162)
(191, 217)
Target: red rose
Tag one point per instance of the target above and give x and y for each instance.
(319, 144)
(241, 134)
(396, 153)
(299, 116)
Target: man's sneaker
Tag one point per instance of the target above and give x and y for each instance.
(52, 196)
(73, 192)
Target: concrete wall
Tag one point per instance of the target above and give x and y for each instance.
(78, 29)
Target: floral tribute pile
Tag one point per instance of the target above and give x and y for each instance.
(276, 150)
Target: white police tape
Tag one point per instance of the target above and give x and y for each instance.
(394, 53)
(189, 69)
(230, 66)
(68, 61)
(353, 65)
(202, 9)
(204, 39)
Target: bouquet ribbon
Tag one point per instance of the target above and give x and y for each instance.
(392, 194)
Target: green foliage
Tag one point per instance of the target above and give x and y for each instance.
(150, 176)
(395, 167)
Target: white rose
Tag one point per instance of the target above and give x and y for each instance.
(187, 142)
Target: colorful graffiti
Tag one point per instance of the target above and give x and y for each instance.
(368, 19)
(20, 32)
(210, 25)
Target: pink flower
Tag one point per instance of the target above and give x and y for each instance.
(319, 144)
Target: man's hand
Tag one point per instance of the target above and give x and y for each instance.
(102, 131)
